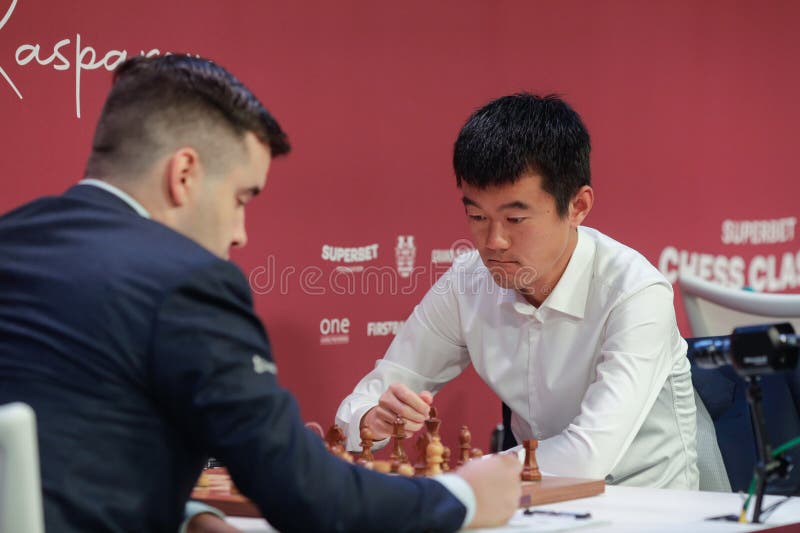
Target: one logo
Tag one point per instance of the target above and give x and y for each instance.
(405, 252)
(334, 331)
(382, 329)
(261, 365)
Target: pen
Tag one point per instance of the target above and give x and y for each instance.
(579, 516)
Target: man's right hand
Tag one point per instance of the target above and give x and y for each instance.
(398, 400)
(497, 487)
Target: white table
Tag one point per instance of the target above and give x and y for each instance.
(633, 509)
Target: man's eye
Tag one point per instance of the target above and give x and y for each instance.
(516, 220)
(476, 218)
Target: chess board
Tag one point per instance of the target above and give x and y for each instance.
(550, 489)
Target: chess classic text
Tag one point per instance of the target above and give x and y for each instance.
(69, 54)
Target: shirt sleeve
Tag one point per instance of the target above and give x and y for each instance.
(427, 352)
(636, 357)
(214, 378)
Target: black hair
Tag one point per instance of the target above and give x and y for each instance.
(179, 93)
(522, 134)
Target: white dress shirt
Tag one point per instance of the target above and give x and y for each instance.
(597, 373)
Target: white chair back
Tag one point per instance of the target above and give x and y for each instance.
(716, 310)
(20, 485)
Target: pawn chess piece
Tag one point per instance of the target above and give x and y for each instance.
(405, 469)
(204, 481)
(398, 434)
(464, 439)
(446, 459)
(530, 470)
(434, 457)
(366, 444)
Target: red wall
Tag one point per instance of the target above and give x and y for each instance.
(692, 107)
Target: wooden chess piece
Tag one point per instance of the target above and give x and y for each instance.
(398, 434)
(464, 439)
(530, 470)
(446, 459)
(422, 449)
(204, 481)
(334, 441)
(475, 453)
(405, 469)
(434, 456)
(366, 444)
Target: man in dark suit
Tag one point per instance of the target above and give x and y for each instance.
(134, 339)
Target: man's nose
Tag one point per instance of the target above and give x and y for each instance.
(497, 238)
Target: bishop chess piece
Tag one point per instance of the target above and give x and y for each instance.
(530, 470)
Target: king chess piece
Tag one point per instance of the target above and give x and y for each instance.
(530, 470)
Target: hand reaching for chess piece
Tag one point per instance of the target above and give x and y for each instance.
(398, 400)
(495, 482)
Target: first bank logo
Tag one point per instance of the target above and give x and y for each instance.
(405, 253)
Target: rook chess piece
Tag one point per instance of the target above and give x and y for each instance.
(530, 470)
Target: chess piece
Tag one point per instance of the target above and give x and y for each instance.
(204, 481)
(446, 459)
(421, 466)
(464, 439)
(434, 456)
(398, 454)
(366, 444)
(334, 441)
(405, 469)
(475, 453)
(384, 467)
(530, 470)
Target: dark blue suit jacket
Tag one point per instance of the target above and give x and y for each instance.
(135, 346)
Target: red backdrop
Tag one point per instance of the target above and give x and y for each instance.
(692, 107)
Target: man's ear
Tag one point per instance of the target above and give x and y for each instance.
(183, 175)
(580, 205)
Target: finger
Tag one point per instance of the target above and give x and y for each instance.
(411, 399)
(426, 397)
(395, 405)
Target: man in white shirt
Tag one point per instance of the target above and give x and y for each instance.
(574, 331)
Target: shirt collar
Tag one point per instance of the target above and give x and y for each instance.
(119, 193)
(572, 290)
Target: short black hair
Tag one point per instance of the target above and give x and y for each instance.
(155, 100)
(521, 134)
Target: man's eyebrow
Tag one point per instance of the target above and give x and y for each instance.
(468, 201)
(515, 205)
